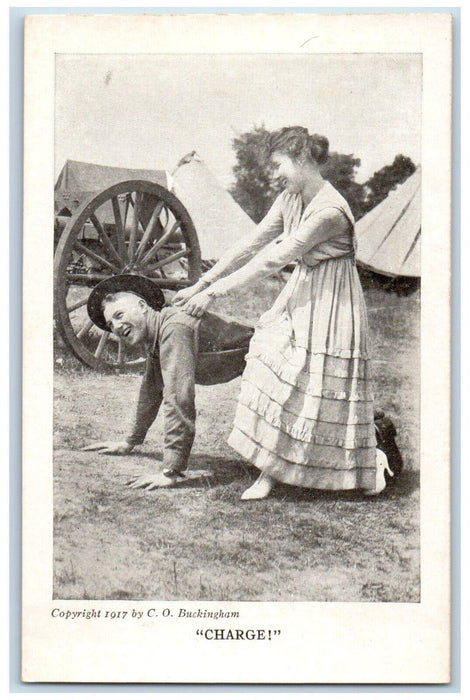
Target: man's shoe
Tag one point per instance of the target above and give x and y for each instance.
(260, 489)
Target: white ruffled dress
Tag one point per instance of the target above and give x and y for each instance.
(305, 412)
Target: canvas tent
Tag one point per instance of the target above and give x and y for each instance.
(389, 236)
(218, 219)
(77, 180)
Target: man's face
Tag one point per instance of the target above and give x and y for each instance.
(126, 317)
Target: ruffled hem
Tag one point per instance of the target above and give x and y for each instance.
(287, 472)
(295, 404)
(309, 384)
(289, 397)
(308, 430)
(313, 453)
(315, 363)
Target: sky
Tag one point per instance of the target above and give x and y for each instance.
(146, 111)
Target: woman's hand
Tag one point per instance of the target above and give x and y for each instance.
(183, 295)
(109, 448)
(198, 304)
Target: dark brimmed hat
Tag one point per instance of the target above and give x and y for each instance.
(141, 286)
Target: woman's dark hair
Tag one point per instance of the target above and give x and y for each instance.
(298, 144)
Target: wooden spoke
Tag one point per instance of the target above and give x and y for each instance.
(150, 230)
(160, 243)
(135, 225)
(85, 328)
(101, 344)
(119, 228)
(106, 240)
(94, 256)
(126, 210)
(77, 305)
(96, 277)
(125, 224)
(169, 259)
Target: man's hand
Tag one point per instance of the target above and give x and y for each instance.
(198, 304)
(109, 448)
(183, 295)
(153, 481)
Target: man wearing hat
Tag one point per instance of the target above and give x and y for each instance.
(180, 349)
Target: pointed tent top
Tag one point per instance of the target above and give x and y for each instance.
(218, 219)
(389, 236)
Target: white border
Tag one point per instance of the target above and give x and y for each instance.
(320, 642)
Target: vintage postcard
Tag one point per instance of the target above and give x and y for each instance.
(237, 237)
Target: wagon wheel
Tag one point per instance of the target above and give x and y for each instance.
(132, 227)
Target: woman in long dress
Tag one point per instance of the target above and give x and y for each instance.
(305, 412)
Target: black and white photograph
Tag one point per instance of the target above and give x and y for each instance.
(236, 295)
(272, 232)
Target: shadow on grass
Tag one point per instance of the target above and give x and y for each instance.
(219, 471)
(404, 485)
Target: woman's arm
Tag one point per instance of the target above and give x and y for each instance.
(315, 229)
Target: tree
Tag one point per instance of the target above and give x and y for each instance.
(340, 170)
(387, 178)
(254, 189)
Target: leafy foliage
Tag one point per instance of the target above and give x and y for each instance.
(387, 178)
(255, 188)
(340, 170)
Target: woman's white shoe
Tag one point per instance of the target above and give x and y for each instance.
(260, 489)
(381, 463)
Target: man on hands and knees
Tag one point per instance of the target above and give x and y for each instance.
(177, 347)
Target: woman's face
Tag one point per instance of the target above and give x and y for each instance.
(289, 172)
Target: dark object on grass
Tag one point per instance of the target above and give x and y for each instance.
(385, 433)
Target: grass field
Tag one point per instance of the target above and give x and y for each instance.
(198, 541)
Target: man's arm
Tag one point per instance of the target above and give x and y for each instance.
(178, 351)
(148, 403)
